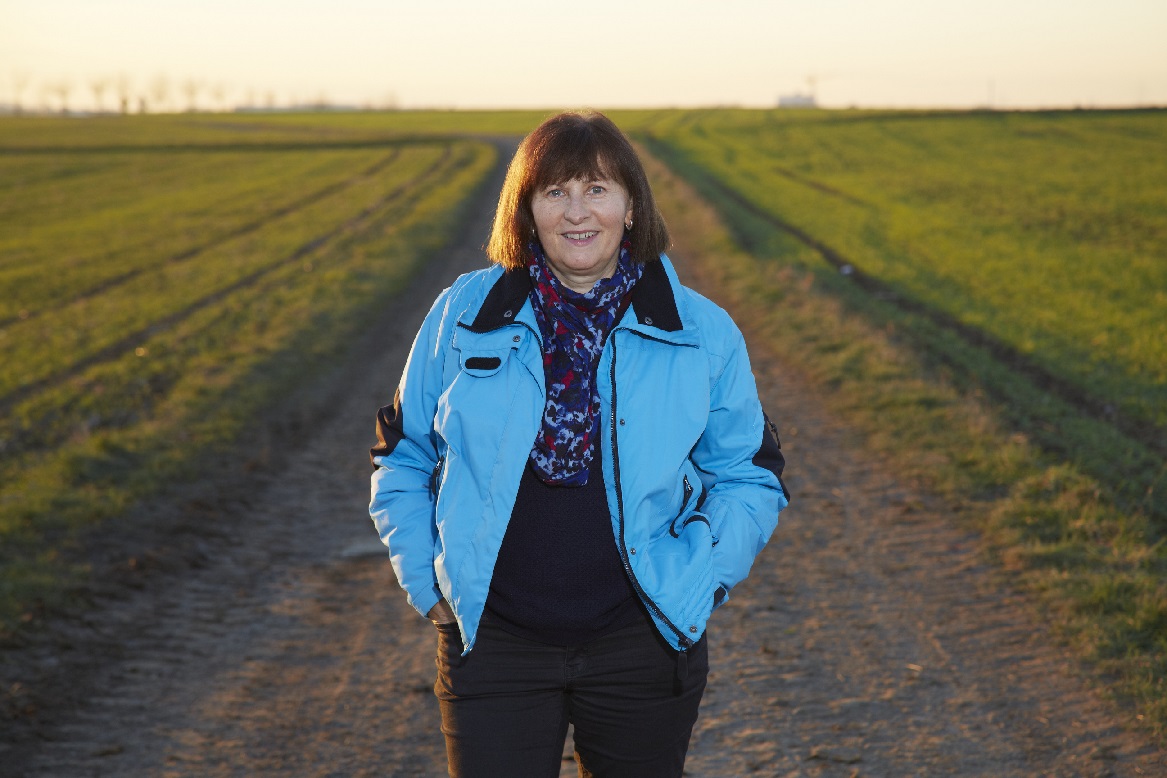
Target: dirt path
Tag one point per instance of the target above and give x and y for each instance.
(262, 632)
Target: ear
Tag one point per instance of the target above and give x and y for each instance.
(628, 214)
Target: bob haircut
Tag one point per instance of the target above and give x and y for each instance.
(576, 145)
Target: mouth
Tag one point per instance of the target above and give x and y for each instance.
(581, 237)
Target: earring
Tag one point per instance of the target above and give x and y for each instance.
(628, 225)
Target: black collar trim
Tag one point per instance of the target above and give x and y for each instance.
(504, 301)
(652, 297)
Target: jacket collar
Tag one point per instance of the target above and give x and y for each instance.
(653, 300)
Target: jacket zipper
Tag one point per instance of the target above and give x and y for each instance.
(682, 639)
(437, 472)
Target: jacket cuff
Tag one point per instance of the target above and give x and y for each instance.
(423, 602)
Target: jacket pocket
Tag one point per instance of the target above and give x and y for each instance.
(677, 526)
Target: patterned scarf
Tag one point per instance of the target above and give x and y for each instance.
(574, 327)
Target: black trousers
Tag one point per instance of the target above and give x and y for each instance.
(507, 704)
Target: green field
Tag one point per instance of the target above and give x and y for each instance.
(983, 296)
(1037, 238)
(164, 286)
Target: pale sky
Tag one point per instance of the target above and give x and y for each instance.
(602, 53)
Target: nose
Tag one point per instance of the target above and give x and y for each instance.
(576, 210)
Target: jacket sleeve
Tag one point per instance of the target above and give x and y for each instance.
(405, 461)
(741, 464)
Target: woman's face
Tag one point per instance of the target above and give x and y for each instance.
(580, 224)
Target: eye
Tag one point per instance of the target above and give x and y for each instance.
(554, 192)
(595, 189)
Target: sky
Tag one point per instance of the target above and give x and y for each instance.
(587, 53)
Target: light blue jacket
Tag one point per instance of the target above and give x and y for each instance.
(691, 465)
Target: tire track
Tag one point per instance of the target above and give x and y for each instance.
(872, 638)
(818, 186)
(868, 641)
(1147, 435)
(128, 342)
(253, 603)
(190, 253)
(232, 148)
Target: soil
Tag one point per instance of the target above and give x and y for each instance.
(250, 623)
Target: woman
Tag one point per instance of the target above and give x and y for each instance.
(574, 473)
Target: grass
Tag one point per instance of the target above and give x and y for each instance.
(1001, 341)
(941, 407)
(1034, 235)
(194, 132)
(162, 298)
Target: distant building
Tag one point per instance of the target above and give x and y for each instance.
(797, 100)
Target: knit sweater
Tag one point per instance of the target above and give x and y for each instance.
(558, 578)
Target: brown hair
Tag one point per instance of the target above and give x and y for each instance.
(570, 146)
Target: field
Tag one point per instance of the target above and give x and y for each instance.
(982, 296)
(161, 292)
(1036, 238)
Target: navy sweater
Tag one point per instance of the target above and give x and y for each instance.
(559, 578)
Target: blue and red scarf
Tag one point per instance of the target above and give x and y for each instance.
(574, 327)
